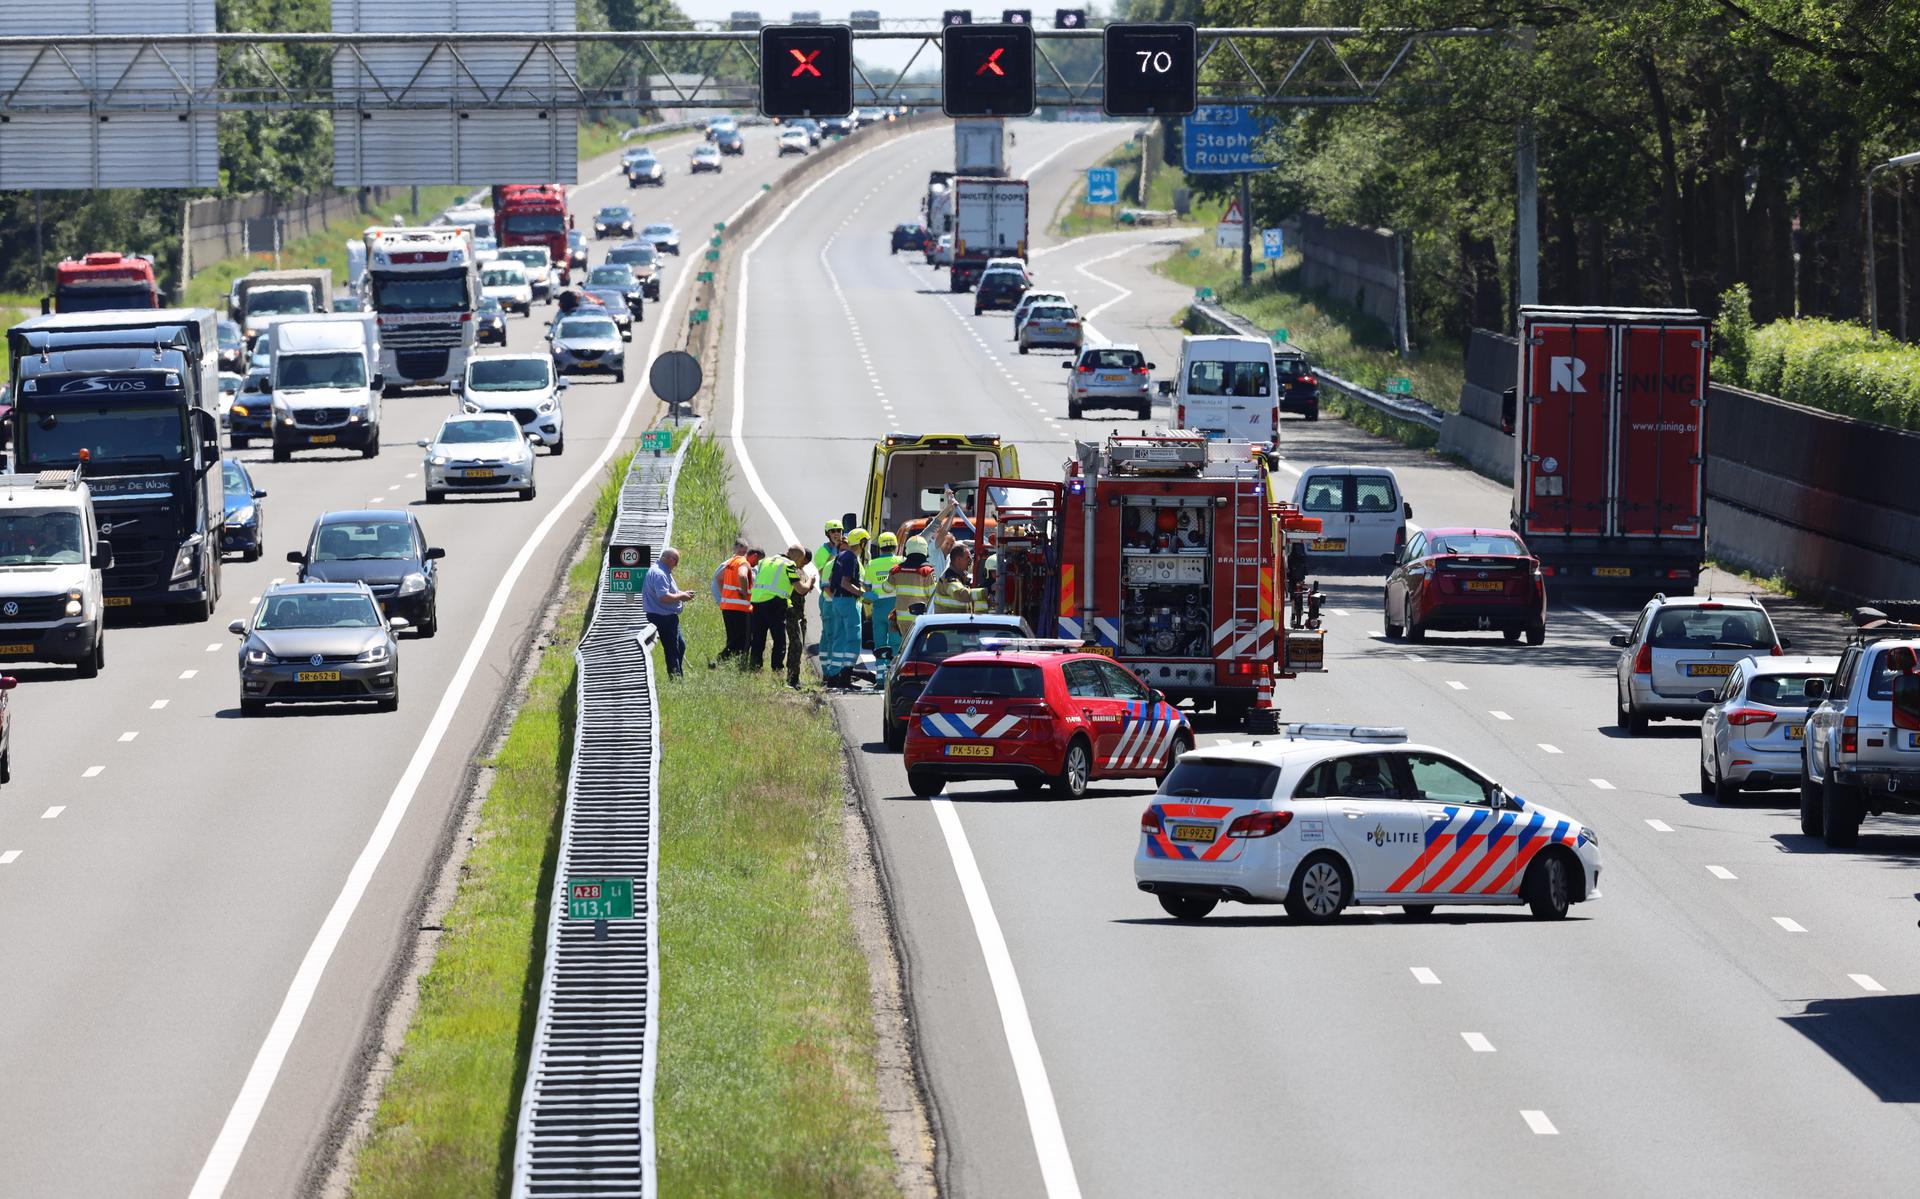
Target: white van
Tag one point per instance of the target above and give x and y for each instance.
(1227, 388)
(1362, 514)
(324, 377)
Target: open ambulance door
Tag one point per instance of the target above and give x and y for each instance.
(1023, 520)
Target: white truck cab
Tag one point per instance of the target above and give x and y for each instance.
(325, 383)
(51, 557)
(1227, 387)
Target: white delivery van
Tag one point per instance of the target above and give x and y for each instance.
(1227, 388)
(51, 556)
(1362, 512)
(324, 380)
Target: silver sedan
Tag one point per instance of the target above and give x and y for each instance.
(588, 342)
(480, 451)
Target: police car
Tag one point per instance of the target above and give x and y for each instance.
(1324, 816)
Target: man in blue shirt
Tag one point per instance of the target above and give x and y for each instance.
(662, 599)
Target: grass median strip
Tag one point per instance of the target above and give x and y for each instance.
(766, 1042)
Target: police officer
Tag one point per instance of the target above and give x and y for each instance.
(879, 586)
(911, 581)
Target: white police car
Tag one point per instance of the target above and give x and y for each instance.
(1323, 816)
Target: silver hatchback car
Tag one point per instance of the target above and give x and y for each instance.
(318, 643)
(1750, 739)
(1679, 646)
(1112, 376)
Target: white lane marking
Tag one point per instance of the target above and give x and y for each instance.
(1866, 982)
(1548, 749)
(156, 705)
(1056, 152)
(1659, 826)
(10, 857)
(253, 601)
(410, 475)
(1456, 685)
(1721, 872)
(1609, 621)
(1335, 611)
(376, 499)
(1539, 1123)
(92, 772)
(1497, 714)
(1425, 976)
(1412, 657)
(1043, 1118)
(224, 1156)
(128, 736)
(214, 648)
(1281, 463)
(1603, 784)
(393, 487)
(1056, 1166)
(53, 813)
(1120, 293)
(1477, 1042)
(1790, 924)
(187, 674)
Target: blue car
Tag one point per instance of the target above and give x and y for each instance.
(242, 532)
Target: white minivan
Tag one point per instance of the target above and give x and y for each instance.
(1362, 514)
(1227, 388)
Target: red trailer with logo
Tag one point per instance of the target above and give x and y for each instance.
(1166, 552)
(102, 282)
(534, 214)
(1610, 446)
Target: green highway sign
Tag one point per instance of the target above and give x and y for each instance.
(1280, 335)
(1204, 294)
(599, 899)
(714, 242)
(705, 276)
(697, 316)
(1193, 253)
(1400, 387)
(657, 439)
(1260, 266)
(625, 580)
(713, 255)
(720, 226)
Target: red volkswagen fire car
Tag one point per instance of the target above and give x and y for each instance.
(1040, 712)
(1460, 580)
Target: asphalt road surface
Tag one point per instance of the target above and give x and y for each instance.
(1736, 1016)
(166, 865)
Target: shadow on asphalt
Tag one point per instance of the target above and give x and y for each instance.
(1876, 1037)
(275, 711)
(1462, 916)
(1012, 795)
(1663, 731)
(1896, 841)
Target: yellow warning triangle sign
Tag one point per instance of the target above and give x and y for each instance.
(1234, 216)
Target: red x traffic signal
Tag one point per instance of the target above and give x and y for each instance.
(987, 70)
(806, 70)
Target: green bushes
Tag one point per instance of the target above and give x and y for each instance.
(1835, 366)
(1734, 353)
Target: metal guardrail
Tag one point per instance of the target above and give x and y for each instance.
(1413, 412)
(586, 1111)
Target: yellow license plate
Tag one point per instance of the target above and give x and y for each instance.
(969, 751)
(1699, 670)
(322, 439)
(477, 474)
(118, 601)
(1105, 651)
(1484, 585)
(1329, 543)
(1613, 572)
(1193, 832)
(16, 649)
(317, 676)
(589, 362)
(1796, 732)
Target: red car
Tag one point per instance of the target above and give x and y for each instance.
(1040, 713)
(1458, 580)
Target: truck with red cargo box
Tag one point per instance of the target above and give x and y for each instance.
(103, 282)
(1609, 419)
(1166, 552)
(534, 214)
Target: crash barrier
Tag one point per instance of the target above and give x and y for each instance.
(586, 1111)
(1210, 318)
(1818, 498)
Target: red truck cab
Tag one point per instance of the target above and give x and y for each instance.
(104, 282)
(535, 214)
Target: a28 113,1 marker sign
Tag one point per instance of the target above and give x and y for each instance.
(599, 899)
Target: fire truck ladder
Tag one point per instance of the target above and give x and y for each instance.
(1250, 534)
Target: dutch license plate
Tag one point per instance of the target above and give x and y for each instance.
(1699, 670)
(118, 601)
(1193, 832)
(1913, 741)
(323, 439)
(1484, 585)
(1329, 543)
(1796, 732)
(317, 676)
(16, 649)
(1113, 378)
(969, 751)
(1613, 572)
(589, 362)
(477, 474)
(1105, 651)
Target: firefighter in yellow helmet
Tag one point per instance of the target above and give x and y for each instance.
(912, 581)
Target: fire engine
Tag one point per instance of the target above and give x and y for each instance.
(422, 283)
(1166, 552)
(103, 282)
(535, 214)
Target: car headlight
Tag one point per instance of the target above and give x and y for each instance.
(439, 459)
(240, 410)
(241, 516)
(187, 558)
(546, 405)
(1592, 837)
(76, 601)
(259, 657)
(377, 654)
(413, 584)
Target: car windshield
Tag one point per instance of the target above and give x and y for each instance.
(278, 301)
(508, 374)
(521, 224)
(359, 541)
(532, 259)
(1791, 689)
(1223, 780)
(303, 372)
(614, 214)
(1476, 543)
(42, 539)
(504, 276)
(491, 306)
(616, 275)
(987, 680)
(337, 610)
(704, 152)
(1712, 628)
(587, 329)
(456, 431)
(234, 478)
(1112, 360)
(1214, 378)
(937, 644)
(632, 256)
(230, 336)
(659, 232)
(1052, 314)
(429, 291)
(1291, 368)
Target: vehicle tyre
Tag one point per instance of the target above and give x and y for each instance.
(1263, 720)
(1313, 413)
(253, 554)
(1321, 887)
(253, 707)
(527, 492)
(1181, 744)
(389, 704)
(1417, 911)
(282, 453)
(1840, 816)
(1537, 634)
(1393, 631)
(435, 497)
(926, 786)
(372, 448)
(1187, 907)
(430, 623)
(1076, 770)
(558, 447)
(893, 736)
(1812, 804)
(6, 767)
(1548, 888)
(1414, 631)
(1512, 636)
(1030, 786)
(619, 376)
(1724, 791)
(91, 664)
(1626, 719)
(1073, 410)
(1144, 412)
(1023, 349)
(1706, 780)
(239, 442)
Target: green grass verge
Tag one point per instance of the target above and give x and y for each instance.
(766, 1083)
(766, 1054)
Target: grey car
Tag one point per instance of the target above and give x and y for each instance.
(479, 451)
(932, 641)
(1750, 739)
(1112, 376)
(1679, 646)
(614, 300)
(587, 342)
(318, 643)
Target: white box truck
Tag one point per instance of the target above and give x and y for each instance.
(980, 148)
(324, 380)
(989, 221)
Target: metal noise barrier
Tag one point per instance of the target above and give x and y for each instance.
(586, 1111)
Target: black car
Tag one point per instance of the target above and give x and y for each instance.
(1300, 386)
(909, 235)
(576, 250)
(387, 551)
(242, 531)
(999, 289)
(730, 142)
(233, 348)
(617, 277)
(643, 260)
(613, 222)
(615, 300)
(837, 126)
(490, 323)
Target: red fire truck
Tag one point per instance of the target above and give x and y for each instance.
(1166, 552)
(104, 282)
(535, 214)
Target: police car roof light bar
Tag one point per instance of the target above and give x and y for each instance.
(1346, 732)
(1056, 645)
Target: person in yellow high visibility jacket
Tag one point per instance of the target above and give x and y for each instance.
(877, 575)
(911, 581)
(953, 592)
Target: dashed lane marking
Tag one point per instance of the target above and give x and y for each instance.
(1866, 982)
(1539, 1123)
(1497, 714)
(1477, 1042)
(187, 674)
(10, 857)
(1603, 784)
(128, 736)
(1456, 684)
(53, 813)
(1790, 924)
(1548, 749)
(1659, 826)
(214, 648)
(92, 772)
(1721, 872)
(1424, 976)
(156, 705)
(1601, 618)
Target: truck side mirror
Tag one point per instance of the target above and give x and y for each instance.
(379, 382)
(1166, 387)
(266, 385)
(1509, 409)
(434, 553)
(103, 556)
(1704, 697)
(238, 628)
